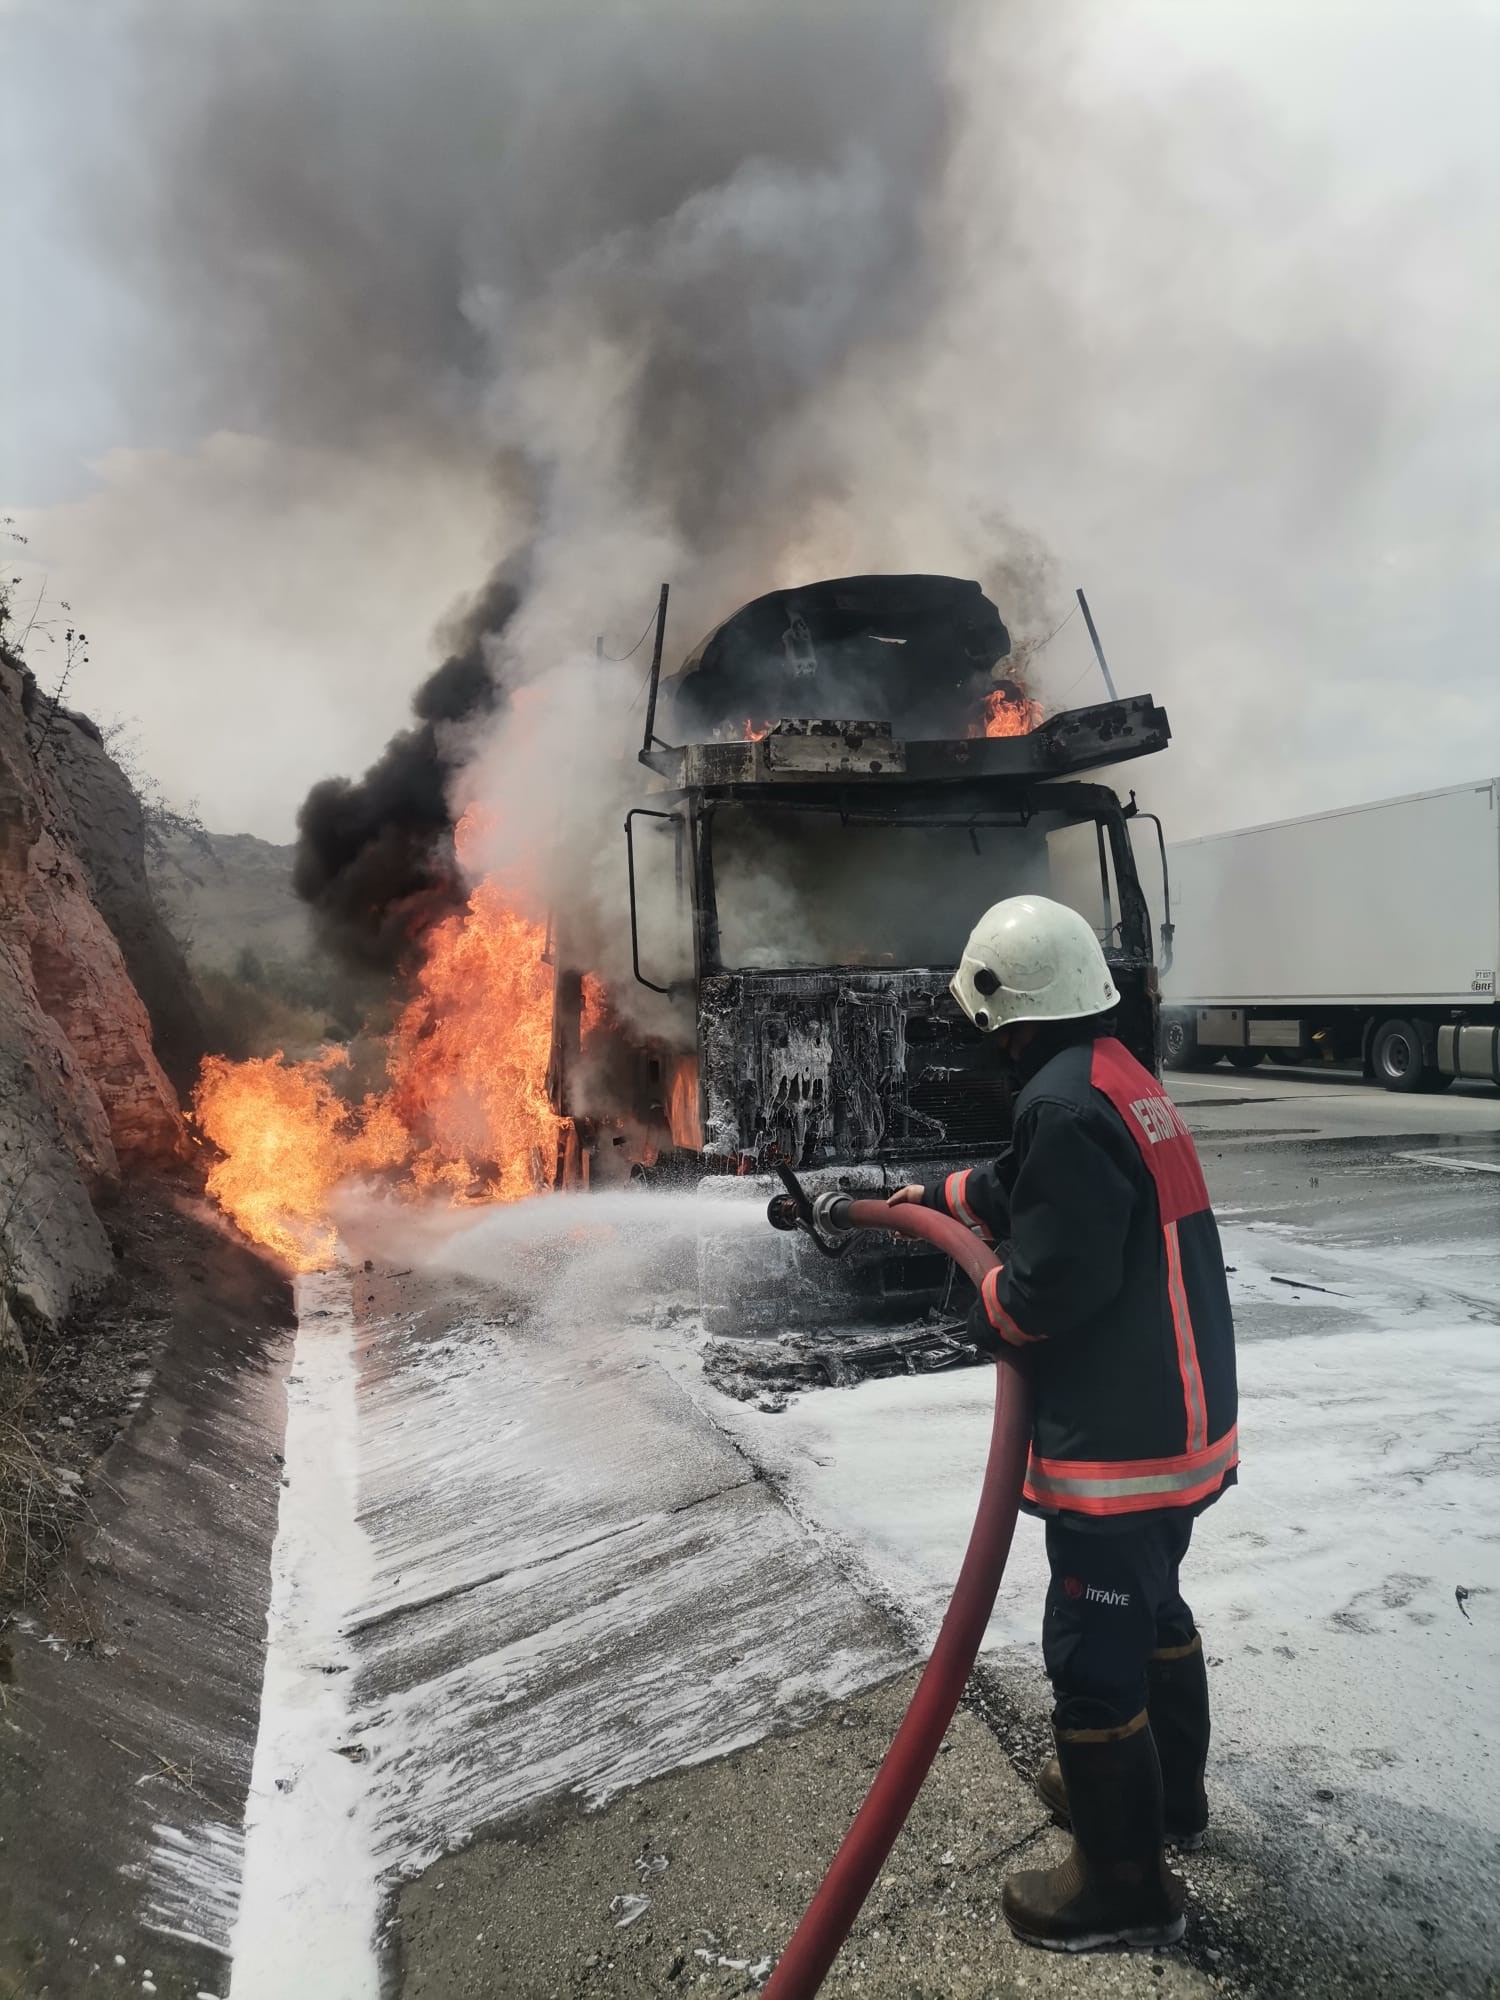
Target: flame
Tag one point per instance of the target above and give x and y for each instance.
(464, 1113)
(1007, 712)
(468, 1063)
(597, 1012)
(683, 1119)
(754, 731)
(287, 1140)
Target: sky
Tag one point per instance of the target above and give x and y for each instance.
(1202, 316)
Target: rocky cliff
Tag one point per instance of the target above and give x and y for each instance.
(84, 1098)
(106, 828)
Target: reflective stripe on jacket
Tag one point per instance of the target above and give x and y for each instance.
(1114, 1284)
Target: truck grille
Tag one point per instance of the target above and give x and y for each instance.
(972, 1108)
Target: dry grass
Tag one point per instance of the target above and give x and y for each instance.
(36, 1507)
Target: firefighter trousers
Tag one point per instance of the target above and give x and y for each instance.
(1113, 1601)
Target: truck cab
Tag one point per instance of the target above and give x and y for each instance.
(801, 886)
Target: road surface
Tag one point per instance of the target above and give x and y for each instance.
(578, 1666)
(701, 1572)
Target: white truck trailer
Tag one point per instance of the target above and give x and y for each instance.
(1369, 935)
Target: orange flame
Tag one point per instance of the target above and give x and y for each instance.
(1007, 713)
(754, 730)
(468, 1062)
(287, 1140)
(465, 1111)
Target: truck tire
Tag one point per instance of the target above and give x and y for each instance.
(1396, 1056)
(1246, 1058)
(1179, 1045)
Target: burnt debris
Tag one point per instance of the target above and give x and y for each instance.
(845, 1064)
(911, 651)
(757, 1370)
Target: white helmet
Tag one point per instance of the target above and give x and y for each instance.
(1030, 959)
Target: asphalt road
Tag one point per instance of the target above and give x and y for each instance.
(1367, 1762)
(1462, 1107)
(1327, 1152)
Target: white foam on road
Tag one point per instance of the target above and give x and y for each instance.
(307, 1915)
(544, 1571)
(578, 1584)
(193, 1881)
(1325, 1583)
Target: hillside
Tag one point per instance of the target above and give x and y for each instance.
(227, 894)
(96, 1006)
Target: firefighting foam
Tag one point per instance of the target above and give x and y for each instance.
(463, 1116)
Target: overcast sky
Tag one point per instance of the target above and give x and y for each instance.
(1219, 309)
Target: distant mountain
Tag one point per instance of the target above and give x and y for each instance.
(229, 895)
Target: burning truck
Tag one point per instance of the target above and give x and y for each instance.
(847, 777)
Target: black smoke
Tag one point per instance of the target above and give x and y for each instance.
(375, 860)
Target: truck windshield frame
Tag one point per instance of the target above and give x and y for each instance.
(1125, 932)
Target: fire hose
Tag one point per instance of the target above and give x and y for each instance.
(826, 1923)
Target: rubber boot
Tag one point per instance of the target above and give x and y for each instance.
(1177, 1703)
(1177, 1707)
(1114, 1887)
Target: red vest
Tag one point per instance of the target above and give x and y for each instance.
(1136, 1402)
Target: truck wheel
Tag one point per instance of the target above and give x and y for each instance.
(1179, 1046)
(1396, 1056)
(1246, 1058)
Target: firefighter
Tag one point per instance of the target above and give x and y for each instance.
(1114, 1290)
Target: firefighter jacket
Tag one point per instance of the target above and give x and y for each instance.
(1114, 1286)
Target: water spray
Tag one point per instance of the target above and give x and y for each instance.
(829, 1221)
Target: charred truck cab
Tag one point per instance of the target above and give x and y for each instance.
(802, 873)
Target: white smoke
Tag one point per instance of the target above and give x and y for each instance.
(1137, 349)
(742, 295)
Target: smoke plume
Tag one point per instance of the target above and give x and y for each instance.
(637, 248)
(737, 295)
(375, 859)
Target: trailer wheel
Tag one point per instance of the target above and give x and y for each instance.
(1396, 1056)
(1179, 1045)
(1246, 1058)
